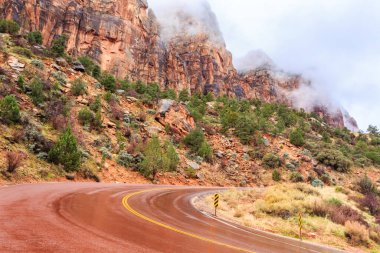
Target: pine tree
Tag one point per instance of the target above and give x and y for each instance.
(66, 152)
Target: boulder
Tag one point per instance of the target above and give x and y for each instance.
(193, 165)
(77, 66)
(176, 116)
(61, 62)
(14, 63)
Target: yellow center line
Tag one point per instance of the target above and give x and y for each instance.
(130, 209)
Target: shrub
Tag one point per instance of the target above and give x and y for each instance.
(23, 51)
(13, 160)
(35, 37)
(366, 186)
(60, 77)
(9, 110)
(374, 157)
(78, 87)
(245, 128)
(108, 82)
(38, 64)
(90, 66)
(356, 233)
(276, 176)
(372, 202)
(157, 158)
(125, 159)
(296, 177)
(37, 93)
(58, 46)
(194, 140)
(184, 95)
(97, 104)
(271, 160)
(9, 26)
(85, 117)
(205, 151)
(66, 152)
(297, 138)
(169, 94)
(334, 159)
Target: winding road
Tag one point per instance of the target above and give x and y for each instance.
(73, 217)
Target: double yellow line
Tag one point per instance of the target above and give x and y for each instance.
(130, 209)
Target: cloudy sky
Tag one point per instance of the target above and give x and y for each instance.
(334, 42)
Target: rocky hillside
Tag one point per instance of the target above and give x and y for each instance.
(125, 39)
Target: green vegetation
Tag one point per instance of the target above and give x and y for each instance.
(66, 152)
(9, 26)
(197, 143)
(158, 158)
(108, 82)
(85, 117)
(23, 51)
(9, 110)
(37, 93)
(58, 46)
(297, 137)
(78, 87)
(90, 66)
(334, 159)
(271, 161)
(34, 38)
(276, 176)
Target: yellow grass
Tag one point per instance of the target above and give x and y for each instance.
(276, 209)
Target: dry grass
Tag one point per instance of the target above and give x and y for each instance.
(275, 209)
(356, 233)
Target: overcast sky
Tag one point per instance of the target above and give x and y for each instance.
(334, 42)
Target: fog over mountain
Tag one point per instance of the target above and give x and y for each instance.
(335, 43)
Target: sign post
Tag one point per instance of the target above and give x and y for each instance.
(300, 224)
(216, 201)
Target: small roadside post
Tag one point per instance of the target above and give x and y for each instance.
(216, 201)
(300, 224)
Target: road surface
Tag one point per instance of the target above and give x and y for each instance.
(88, 217)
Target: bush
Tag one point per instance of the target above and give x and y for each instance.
(125, 159)
(194, 140)
(374, 157)
(169, 94)
(372, 202)
(334, 159)
(23, 51)
(356, 233)
(66, 152)
(276, 176)
(366, 186)
(38, 64)
(157, 158)
(90, 66)
(108, 82)
(296, 177)
(184, 95)
(271, 161)
(58, 46)
(205, 151)
(245, 128)
(13, 160)
(297, 138)
(35, 37)
(78, 87)
(9, 26)
(37, 93)
(9, 110)
(85, 117)
(97, 104)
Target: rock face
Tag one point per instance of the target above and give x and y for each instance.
(175, 116)
(127, 39)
